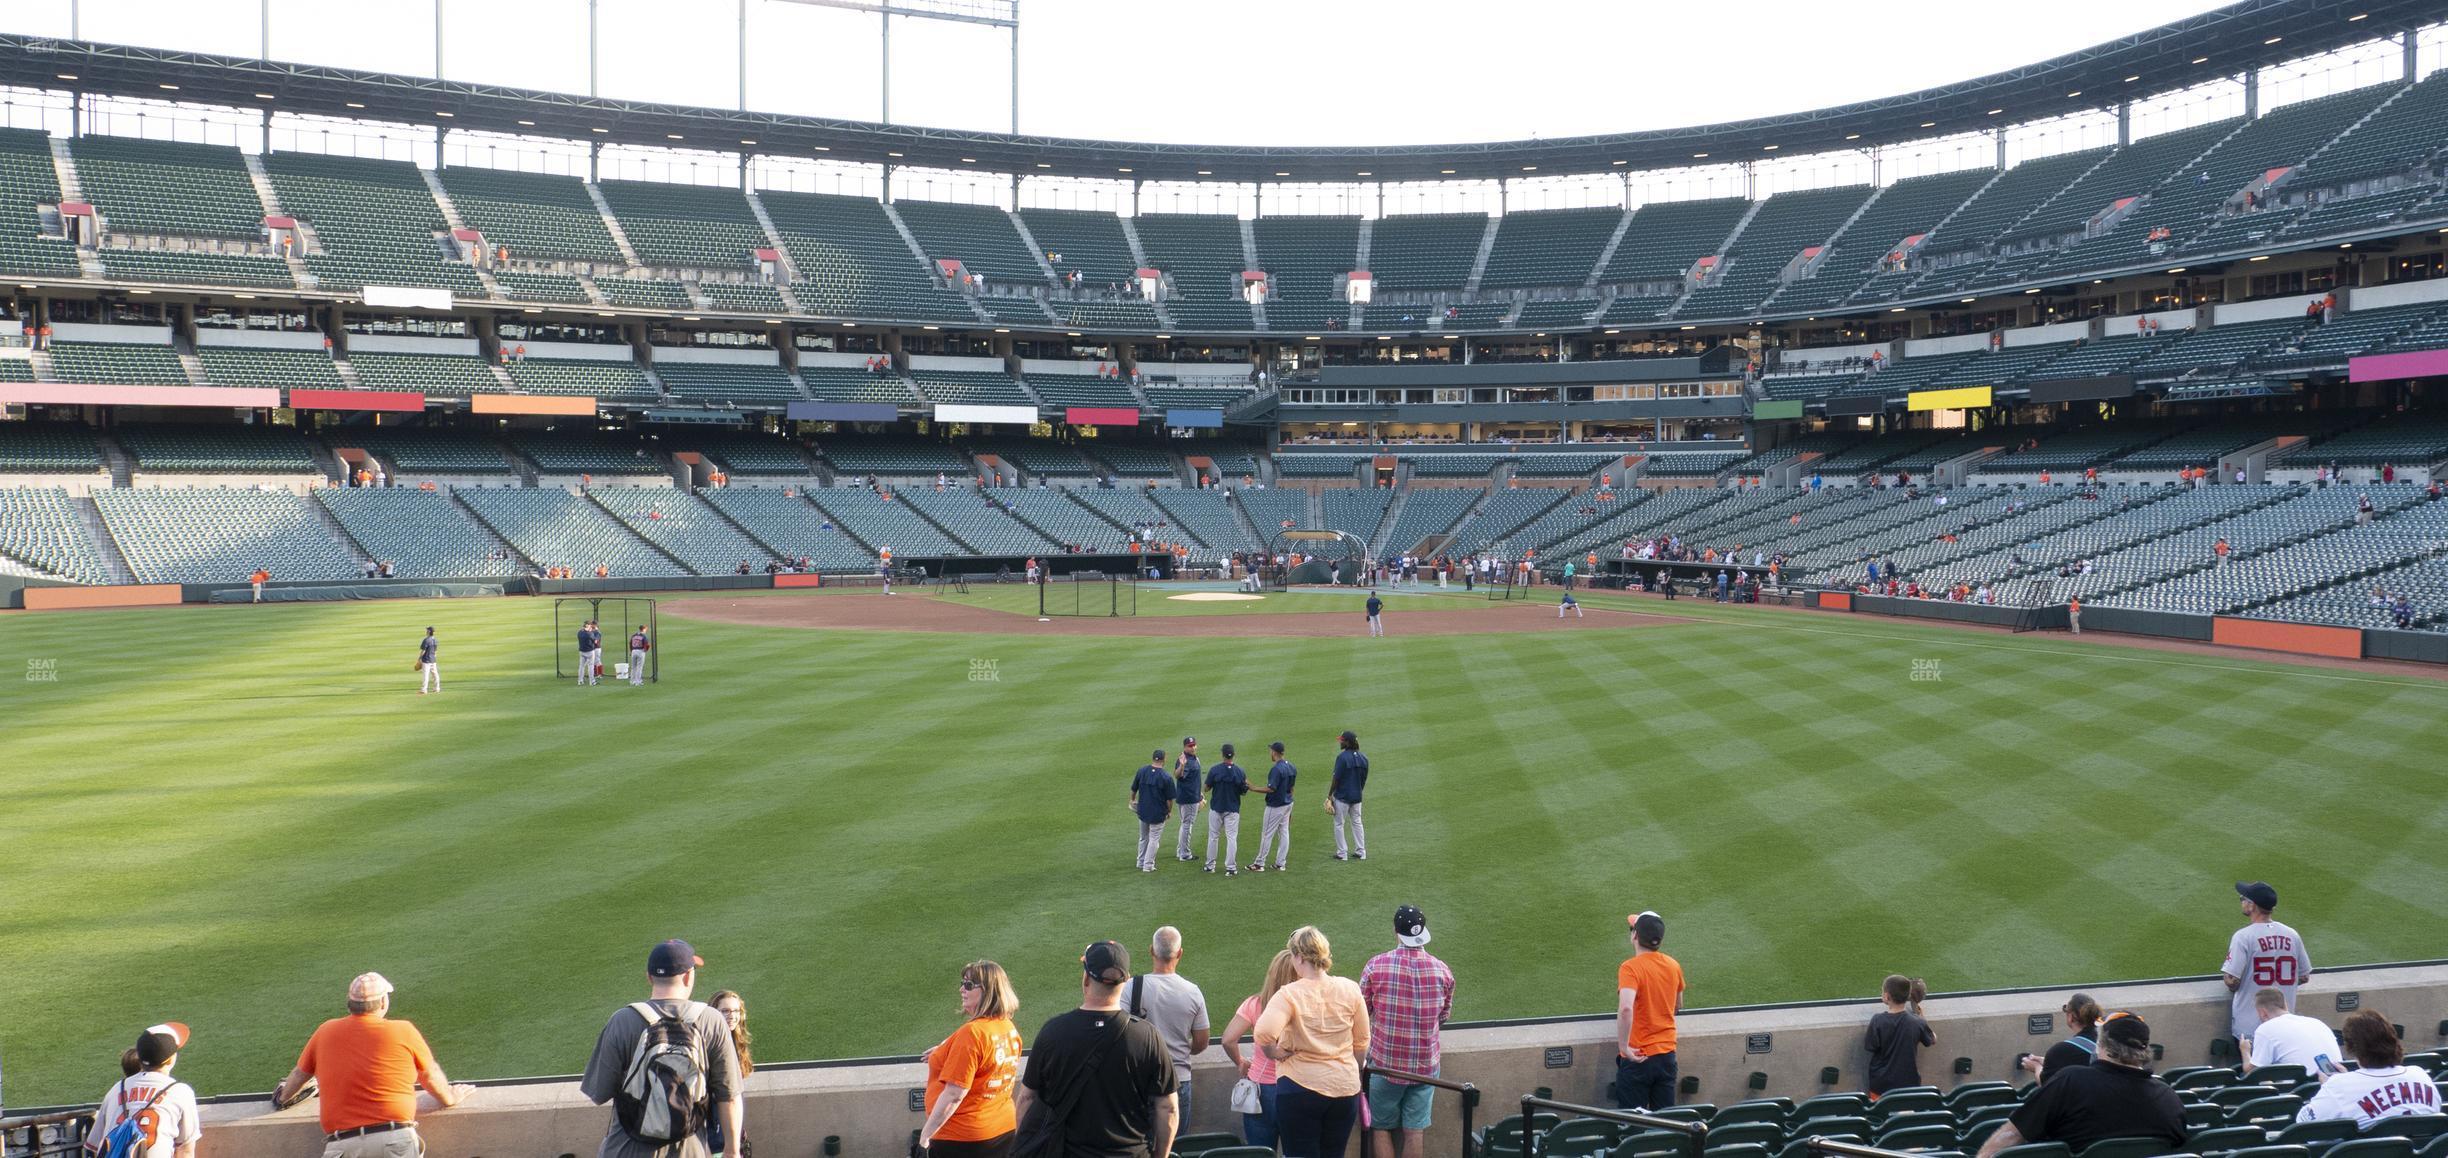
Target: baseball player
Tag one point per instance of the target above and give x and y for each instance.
(1276, 830)
(1225, 785)
(638, 647)
(884, 568)
(1151, 798)
(1570, 604)
(257, 580)
(1186, 784)
(2262, 955)
(590, 654)
(429, 663)
(1376, 622)
(1343, 797)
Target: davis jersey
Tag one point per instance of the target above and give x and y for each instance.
(162, 1127)
(2267, 955)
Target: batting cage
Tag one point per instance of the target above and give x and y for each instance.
(1504, 583)
(1315, 558)
(617, 618)
(1096, 593)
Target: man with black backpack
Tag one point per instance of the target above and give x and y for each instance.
(667, 1065)
(1100, 1082)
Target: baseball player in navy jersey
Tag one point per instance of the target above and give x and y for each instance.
(1151, 800)
(1276, 828)
(1376, 619)
(2262, 955)
(1187, 783)
(638, 646)
(1226, 783)
(429, 663)
(590, 653)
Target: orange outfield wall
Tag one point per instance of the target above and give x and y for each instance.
(133, 595)
(1836, 601)
(809, 579)
(2300, 638)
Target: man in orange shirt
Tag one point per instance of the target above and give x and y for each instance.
(369, 1067)
(1649, 990)
(257, 580)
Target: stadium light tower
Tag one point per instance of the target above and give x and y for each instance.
(1004, 14)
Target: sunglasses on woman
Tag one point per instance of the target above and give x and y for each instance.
(967, 985)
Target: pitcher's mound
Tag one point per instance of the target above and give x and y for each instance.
(1216, 597)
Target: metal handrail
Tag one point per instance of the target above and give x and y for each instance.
(1531, 1103)
(70, 1143)
(1852, 1149)
(1469, 1092)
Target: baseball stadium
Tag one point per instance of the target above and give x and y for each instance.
(1979, 531)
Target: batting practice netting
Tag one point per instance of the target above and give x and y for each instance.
(1089, 593)
(1314, 559)
(618, 618)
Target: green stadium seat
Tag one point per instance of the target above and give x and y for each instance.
(221, 535)
(1801, 1147)
(673, 226)
(265, 366)
(1853, 1125)
(1765, 1134)
(2272, 1152)
(2036, 1150)
(555, 528)
(2226, 1138)
(375, 222)
(1736, 1149)
(1657, 1144)
(422, 534)
(793, 527)
(1191, 1145)
(853, 263)
(2417, 1128)
(2371, 1147)
(2275, 1107)
(1911, 1101)
(40, 528)
(195, 267)
(117, 363)
(1909, 1119)
(29, 178)
(169, 188)
(538, 216)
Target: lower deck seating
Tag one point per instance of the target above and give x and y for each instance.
(1428, 512)
(221, 535)
(1355, 511)
(684, 527)
(422, 534)
(1206, 514)
(793, 527)
(555, 528)
(884, 523)
(1054, 514)
(979, 520)
(39, 528)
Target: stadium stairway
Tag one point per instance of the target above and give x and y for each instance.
(612, 225)
(1385, 526)
(332, 527)
(91, 515)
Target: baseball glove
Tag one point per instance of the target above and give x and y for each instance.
(306, 1089)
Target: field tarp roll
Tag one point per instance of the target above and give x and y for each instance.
(314, 593)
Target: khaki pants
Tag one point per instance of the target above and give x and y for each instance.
(1277, 826)
(390, 1144)
(1230, 822)
(432, 678)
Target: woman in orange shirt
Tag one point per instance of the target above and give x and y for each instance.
(1317, 1030)
(970, 1076)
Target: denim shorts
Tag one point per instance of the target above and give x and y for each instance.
(1395, 1106)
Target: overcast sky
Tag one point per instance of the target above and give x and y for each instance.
(1290, 72)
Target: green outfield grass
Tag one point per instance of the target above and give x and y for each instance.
(219, 815)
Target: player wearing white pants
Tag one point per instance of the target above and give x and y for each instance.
(1343, 797)
(1151, 800)
(638, 646)
(1276, 830)
(590, 653)
(429, 663)
(1226, 784)
(1151, 838)
(1186, 785)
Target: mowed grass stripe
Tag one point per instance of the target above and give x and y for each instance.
(244, 806)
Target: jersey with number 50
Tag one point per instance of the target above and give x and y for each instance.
(2265, 955)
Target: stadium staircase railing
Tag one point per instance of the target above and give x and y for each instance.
(1468, 1092)
(1532, 1105)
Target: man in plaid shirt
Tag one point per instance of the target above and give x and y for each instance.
(1409, 996)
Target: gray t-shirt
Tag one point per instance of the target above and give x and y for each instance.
(610, 1065)
(1175, 1006)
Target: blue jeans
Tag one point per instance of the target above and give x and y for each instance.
(1310, 1124)
(1181, 1100)
(1259, 1129)
(1647, 1084)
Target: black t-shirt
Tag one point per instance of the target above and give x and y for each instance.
(1895, 1041)
(1116, 1107)
(2086, 1104)
(2074, 1051)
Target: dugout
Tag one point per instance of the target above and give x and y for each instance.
(1056, 564)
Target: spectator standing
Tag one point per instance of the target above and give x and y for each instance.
(2113, 1097)
(970, 1075)
(1099, 1083)
(2381, 1085)
(2289, 1039)
(1896, 1035)
(2083, 1017)
(1226, 784)
(163, 1108)
(1317, 1030)
(1351, 771)
(368, 1066)
(1648, 992)
(1409, 994)
(1151, 799)
(1257, 1069)
(429, 663)
(1176, 1007)
(2264, 953)
(668, 1066)
(1275, 830)
(1186, 785)
(734, 1011)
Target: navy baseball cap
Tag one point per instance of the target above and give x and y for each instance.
(1276, 747)
(672, 958)
(1648, 928)
(1106, 962)
(1189, 741)
(2259, 893)
(1157, 756)
(1227, 750)
(1411, 926)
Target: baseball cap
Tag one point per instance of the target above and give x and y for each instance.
(1410, 927)
(1107, 962)
(1227, 750)
(1276, 747)
(1647, 927)
(2259, 893)
(1189, 741)
(2126, 1029)
(672, 958)
(1348, 738)
(158, 1043)
(369, 987)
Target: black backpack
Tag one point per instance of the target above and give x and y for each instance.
(662, 1098)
